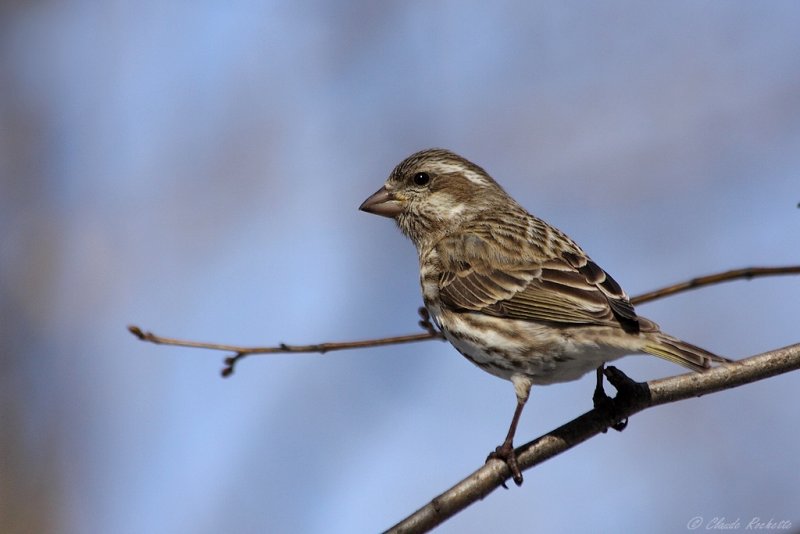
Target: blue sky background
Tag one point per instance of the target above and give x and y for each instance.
(195, 168)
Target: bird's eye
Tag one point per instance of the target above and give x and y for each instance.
(422, 178)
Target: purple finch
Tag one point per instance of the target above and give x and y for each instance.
(514, 295)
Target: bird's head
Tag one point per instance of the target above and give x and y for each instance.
(432, 192)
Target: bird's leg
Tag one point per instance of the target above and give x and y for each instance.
(602, 401)
(506, 451)
(600, 398)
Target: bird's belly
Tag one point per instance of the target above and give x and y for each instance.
(543, 353)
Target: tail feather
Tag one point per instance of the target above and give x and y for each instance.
(681, 352)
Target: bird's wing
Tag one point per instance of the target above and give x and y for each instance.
(570, 289)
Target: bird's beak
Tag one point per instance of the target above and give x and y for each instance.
(383, 203)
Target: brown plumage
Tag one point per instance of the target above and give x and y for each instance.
(514, 295)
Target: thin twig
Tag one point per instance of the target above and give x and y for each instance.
(747, 273)
(495, 473)
(283, 348)
(320, 348)
(239, 352)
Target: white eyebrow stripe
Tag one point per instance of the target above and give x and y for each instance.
(470, 175)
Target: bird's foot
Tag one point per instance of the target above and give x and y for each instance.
(603, 402)
(426, 323)
(506, 453)
(627, 388)
(629, 393)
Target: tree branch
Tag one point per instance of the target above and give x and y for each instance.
(633, 398)
(320, 348)
(240, 352)
(748, 273)
(283, 348)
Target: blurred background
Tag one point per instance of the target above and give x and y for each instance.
(195, 169)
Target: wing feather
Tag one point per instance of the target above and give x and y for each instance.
(570, 289)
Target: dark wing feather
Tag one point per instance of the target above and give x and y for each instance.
(569, 290)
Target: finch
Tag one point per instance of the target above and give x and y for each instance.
(516, 296)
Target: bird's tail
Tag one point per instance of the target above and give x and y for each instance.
(680, 352)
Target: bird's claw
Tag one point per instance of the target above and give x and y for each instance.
(626, 387)
(506, 453)
(426, 323)
(603, 402)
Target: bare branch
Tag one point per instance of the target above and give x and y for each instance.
(283, 348)
(633, 398)
(747, 273)
(240, 352)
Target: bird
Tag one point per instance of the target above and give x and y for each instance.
(514, 295)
